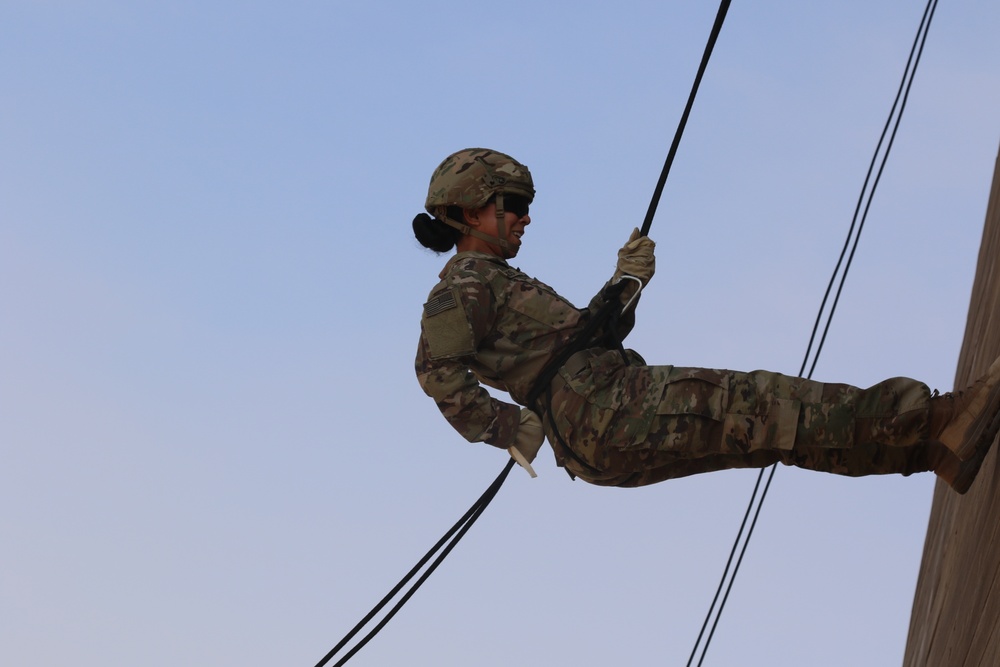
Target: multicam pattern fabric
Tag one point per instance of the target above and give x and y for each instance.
(613, 423)
(469, 177)
(507, 328)
(706, 420)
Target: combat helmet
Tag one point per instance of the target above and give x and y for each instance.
(467, 179)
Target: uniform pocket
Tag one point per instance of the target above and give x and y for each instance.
(695, 391)
(598, 378)
(763, 411)
(690, 411)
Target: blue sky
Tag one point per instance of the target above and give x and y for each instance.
(215, 450)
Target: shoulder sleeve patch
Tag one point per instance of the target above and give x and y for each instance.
(446, 327)
(440, 303)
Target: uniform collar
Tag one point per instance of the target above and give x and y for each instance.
(472, 254)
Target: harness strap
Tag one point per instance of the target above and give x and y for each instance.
(586, 338)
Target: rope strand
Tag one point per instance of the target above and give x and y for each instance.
(851, 242)
(720, 18)
(461, 527)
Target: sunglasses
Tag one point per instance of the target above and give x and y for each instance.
(516, 204)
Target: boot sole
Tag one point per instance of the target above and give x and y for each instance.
(985, 433)
(972, 438)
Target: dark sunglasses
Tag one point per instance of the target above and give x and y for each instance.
(516, 204)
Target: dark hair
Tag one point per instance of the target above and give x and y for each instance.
(435, 234)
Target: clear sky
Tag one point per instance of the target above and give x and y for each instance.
(214, 448)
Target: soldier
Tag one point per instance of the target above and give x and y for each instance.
(610, 418)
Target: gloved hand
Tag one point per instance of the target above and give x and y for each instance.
(636, 258)
(528, 440)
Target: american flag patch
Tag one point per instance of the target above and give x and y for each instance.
(440, 303)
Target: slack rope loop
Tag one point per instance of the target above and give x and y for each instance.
(864, 204)
(454, 534)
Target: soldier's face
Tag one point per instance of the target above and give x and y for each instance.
(515, 217)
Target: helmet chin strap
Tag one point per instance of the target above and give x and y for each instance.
(472, 231)
(501, 223)
(500, 240)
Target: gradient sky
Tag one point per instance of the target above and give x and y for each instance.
(215, 451)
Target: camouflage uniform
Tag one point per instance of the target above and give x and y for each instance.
(619, 424)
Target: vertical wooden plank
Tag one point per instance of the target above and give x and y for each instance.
(955, 621)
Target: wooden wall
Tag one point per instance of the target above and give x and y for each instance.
(955, 620)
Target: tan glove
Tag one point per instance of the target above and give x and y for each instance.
(636, 258)
(528, 440)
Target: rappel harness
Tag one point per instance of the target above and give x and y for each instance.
(607, 316)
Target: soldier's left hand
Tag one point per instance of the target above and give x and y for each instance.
(528, 439)
(636, 258)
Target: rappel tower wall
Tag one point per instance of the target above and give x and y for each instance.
(955, 620)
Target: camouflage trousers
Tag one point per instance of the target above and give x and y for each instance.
(629, 425)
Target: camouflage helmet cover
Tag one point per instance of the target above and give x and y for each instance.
(469, 178)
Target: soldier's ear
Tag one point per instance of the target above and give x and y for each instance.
(471, 216)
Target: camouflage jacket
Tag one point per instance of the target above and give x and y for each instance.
(488, 323)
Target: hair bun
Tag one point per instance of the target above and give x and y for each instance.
(433, 233)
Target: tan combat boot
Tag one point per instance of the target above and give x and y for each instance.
(966, 423)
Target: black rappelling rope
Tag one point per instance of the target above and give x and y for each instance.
(864, 200)
(448, 541)
(462, 526)
(720, 18)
